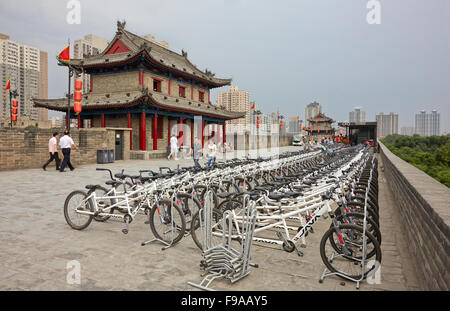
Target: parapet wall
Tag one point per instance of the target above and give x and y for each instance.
(424, 205)
(20, 148)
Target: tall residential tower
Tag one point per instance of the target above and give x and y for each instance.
(26, 66)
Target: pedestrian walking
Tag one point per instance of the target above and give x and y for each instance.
(53, 151)
(66, 143)
(212, 148)
(173, 147)
(197, 151)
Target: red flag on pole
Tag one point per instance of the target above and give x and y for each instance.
(65, 54)
(8, 85)
(253, 106)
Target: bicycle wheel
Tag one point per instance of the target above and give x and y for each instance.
(167, 222)
(189, 206)
(74, 202)
(102, 204)
(217, 228)
(348, 264)
(199, 193)
(358, 219)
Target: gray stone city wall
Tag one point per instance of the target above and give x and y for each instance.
(423, 204)
(20, 148)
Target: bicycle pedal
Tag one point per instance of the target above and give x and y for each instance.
(124, 231)
(300, 253)
(147, 222)
(303, 245)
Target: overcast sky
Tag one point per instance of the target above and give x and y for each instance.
(285, 53)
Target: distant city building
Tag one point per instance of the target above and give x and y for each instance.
(311, 111)
(387, 124)
(407, 130)
(56, 122)
(293, 125)
(26, 66)
(90, 45)
(357, 115)
(427, 124)
(152, 38)
(239, 101)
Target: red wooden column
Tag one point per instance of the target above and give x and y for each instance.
(182, 137)
(218, 134)
(155, 131)
(203, 133)
(168, 88)
(91, 84)
(102, 117)
(80, 122)
(92, 122)
(141, 77)
(224, 132)
(168, 131)
(192, 132)
(142, 131)
(129, 124)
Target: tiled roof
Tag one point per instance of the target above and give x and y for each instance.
(139, 46)
(127, 99)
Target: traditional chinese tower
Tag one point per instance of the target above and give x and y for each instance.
(322, 126)
(139, 84)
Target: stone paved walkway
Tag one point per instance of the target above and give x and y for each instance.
(36, 245)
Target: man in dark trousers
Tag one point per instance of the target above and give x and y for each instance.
(66, 144)
(53, 151)
(197, 152)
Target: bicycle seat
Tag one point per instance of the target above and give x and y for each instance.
(326, 196)
(121, 176)
(92, 187)
(277, 196)
(113, 183)
(293, 194)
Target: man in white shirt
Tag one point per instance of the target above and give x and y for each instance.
(66, 144)
(53, 151)
(173, 147)
(212, 148)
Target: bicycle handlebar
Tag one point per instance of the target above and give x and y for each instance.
(106, 169)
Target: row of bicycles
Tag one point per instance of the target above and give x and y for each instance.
(289, 194)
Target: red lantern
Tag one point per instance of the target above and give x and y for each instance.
(257, 122)
(77, 96)
(14, 110)
(14, 118)
(78, 85)
(77, 107)
(14, 103)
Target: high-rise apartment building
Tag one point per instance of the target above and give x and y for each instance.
(357, 115)
(236, 100)
(43, 83)
(311, 111)
(407, 130)
(22, 64)
(387, 124)
(88, 46)
(293, 125)
(427, 124)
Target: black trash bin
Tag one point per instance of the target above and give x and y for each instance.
(110, 156)
(102, 156)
